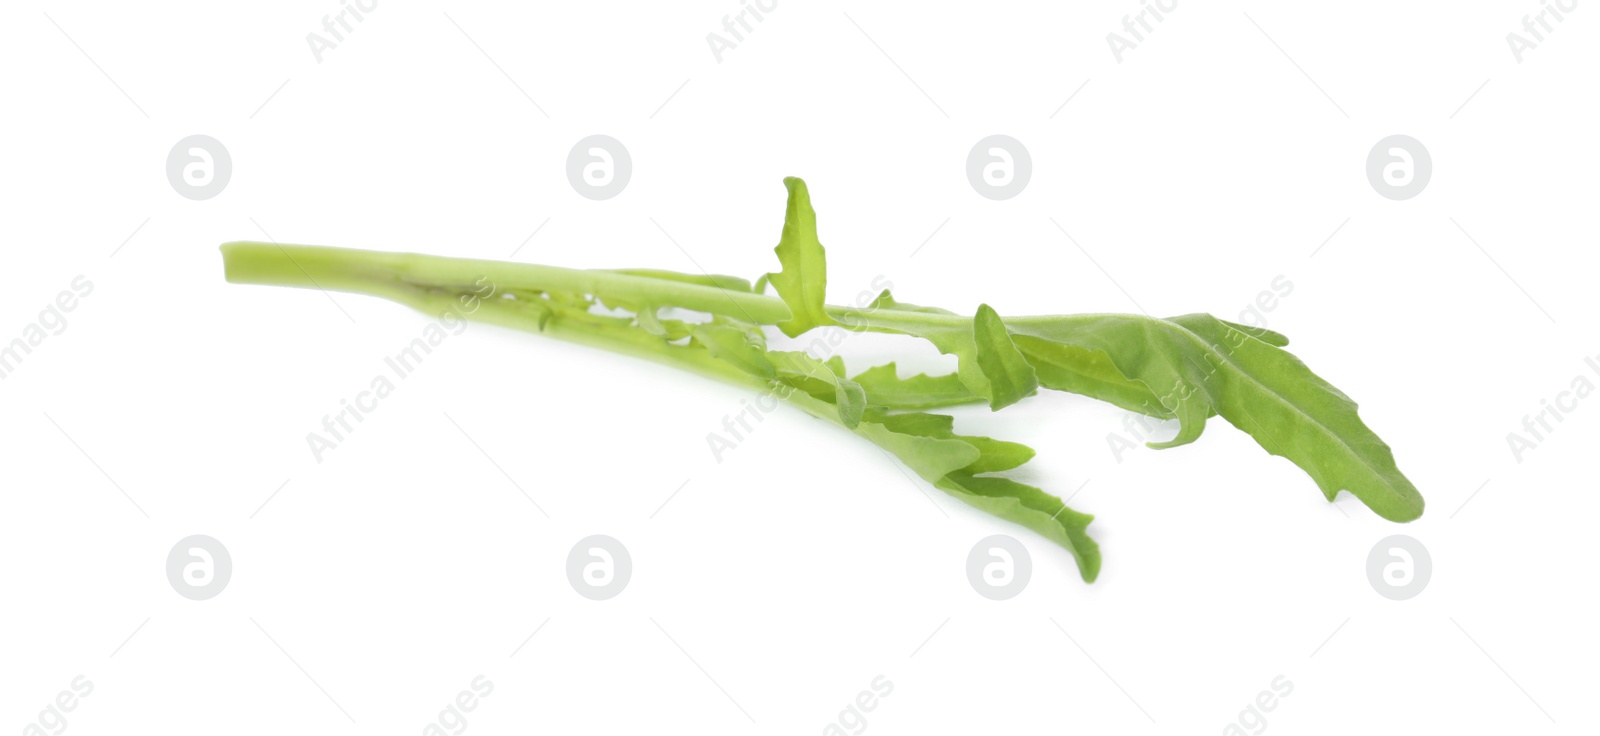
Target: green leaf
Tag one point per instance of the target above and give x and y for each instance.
(1033, 508)
(994, 455)
(1198, 365)
(987, 361)
(823, 380)
(953, 463)
(803, 281)
(1275, 339)
(740, 346)
(887, 301)
(885, 388)
(1083, 371)
(647, 320)
(1011, 379)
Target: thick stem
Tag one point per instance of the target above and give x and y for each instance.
(346, 269)
(375, 274)
(369, 272)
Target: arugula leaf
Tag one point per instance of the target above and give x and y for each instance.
(1011, 378)
(666, 329)
(1031, 507)
(1078, 370)
(1275, 339)
(987, 361)
(742, 347)
(804, 279)
(824, 381)
(957, 465)
(1198, 365)
(921, 391)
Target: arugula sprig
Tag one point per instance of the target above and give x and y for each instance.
(1187, 368)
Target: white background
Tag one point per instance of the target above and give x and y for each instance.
(774, 586)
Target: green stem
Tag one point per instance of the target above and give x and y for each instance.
(369, 272)
(360, 271)
(384, 275)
